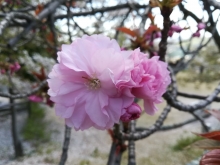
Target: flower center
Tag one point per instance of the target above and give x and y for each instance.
(92, 83)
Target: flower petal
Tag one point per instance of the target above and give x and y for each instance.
(94, 109)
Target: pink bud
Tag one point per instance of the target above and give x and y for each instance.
(176, 28)
(158, 35)
(15, 67)
(131, 113)
(35, 98)
(49, 102)
(170, 33)
(196, 34)
(2, 71)
(155, 53)
(201, 26)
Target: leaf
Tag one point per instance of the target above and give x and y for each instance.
(211, 158)
(41, 76)
(150, 15)
(127, 31)
(215, 113)
(151, 29)
(215, 135)
(206, 144)
(38, 9)
(50, 38)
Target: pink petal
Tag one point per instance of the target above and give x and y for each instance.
(78, 116)
(94, 110)
(149, 107)
(63, 111)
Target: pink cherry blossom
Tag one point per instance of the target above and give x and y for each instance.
(83, 83)
(35, 98)
(196, 34)
(174, 28)
(155, 79)
(15, 67)
(2, 71)
(201, 26)
(131, 113)
(149, 80)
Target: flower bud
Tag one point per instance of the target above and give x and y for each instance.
(201, 26)
(196, 34)
(35, 98)
(131, 113)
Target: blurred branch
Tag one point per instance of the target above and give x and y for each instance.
(45, 13)
(118, 147)
(8, 18)
(214, 3)
(188, 13)
(199, 118)
(23, 95)
(65, 145)
(101, 10)
(165, 11)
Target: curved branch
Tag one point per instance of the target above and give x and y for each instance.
(190, 108)
(146, 133)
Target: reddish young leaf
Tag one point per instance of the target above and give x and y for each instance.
(150, 15)
(211, 158)
(215, 135)
(110, 132)
(151, 29)
(215, 113)
(39, 9)
(50, 37)
(41, 76)
(127, 31)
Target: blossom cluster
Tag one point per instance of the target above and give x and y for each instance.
(95, 83)
(11, 67)
(178, 29)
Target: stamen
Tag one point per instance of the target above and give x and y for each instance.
(92, 83)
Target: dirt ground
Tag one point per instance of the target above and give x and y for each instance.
(91, 147)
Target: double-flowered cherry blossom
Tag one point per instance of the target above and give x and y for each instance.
(94, 83)
(83, 87)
